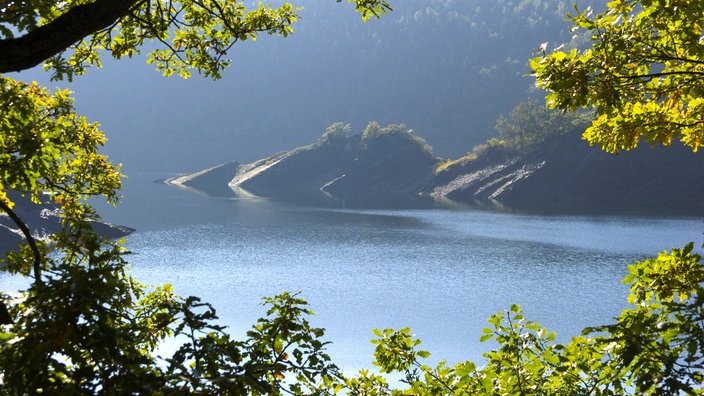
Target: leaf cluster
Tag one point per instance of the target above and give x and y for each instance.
(46, 147)
(659, 343)
(656, 347)
(531, 123)
(189, 34)
(374, 131)
(336, 133)
(527, 126)
(85, 326)
(89, 328)
(642, 74)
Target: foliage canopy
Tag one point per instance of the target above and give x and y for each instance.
(86, 326)
(530, 123)
(643, 73)
(190, 34)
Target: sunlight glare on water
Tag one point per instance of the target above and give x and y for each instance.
(440, 272)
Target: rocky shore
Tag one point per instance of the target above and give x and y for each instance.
(561, 172)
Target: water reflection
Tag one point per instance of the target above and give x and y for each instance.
(441, 272)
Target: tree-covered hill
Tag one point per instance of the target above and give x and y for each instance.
(447, 68)
(565, 175)
(529, 170)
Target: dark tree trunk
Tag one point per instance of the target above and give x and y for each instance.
(33, 48)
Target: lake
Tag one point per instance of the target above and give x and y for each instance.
(440, 271)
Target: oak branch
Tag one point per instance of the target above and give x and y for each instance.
(40, 44)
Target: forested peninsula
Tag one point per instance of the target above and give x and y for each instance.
(538, 161)
(392, 166)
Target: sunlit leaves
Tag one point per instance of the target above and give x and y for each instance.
(46, 148)
(643, 73)
(395, 350)
(658, 344)
(85, 326)
(371, 8)
(656, 347)
(190, 35)
(336, 133)
(91, 326)
(525, 362)
(282, 353)
(201, 33)
(531, 123)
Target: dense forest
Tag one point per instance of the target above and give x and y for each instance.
(446, 69)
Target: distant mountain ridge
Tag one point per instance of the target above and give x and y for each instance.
(562, 172)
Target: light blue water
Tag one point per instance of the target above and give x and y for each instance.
(440, 272)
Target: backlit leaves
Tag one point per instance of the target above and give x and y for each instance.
(46, 148)
(655, 347)
(84, 325)
(643, 73)
(189, 35)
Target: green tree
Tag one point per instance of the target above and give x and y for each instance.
(531, 122)
(336, 133)
(643, 73)
(656, 347)
(68, 36)
(643, 76)
(84, 325)
(374, 131)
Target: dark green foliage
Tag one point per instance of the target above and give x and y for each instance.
(336, 133)
(374, 131)
(85, 326)
(531, 123)
(656, 347)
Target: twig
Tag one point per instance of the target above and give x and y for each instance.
(31, 241)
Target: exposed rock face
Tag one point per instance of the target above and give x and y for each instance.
(391, 169)
(566, 172)
(351, 170)
(388, 164)
(212, 180)
(302, 171)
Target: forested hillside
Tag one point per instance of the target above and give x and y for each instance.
(446, 68)
(544, 166)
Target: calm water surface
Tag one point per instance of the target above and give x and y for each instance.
(441, 272)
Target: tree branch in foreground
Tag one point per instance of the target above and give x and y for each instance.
(30, 239)
(31, 49)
